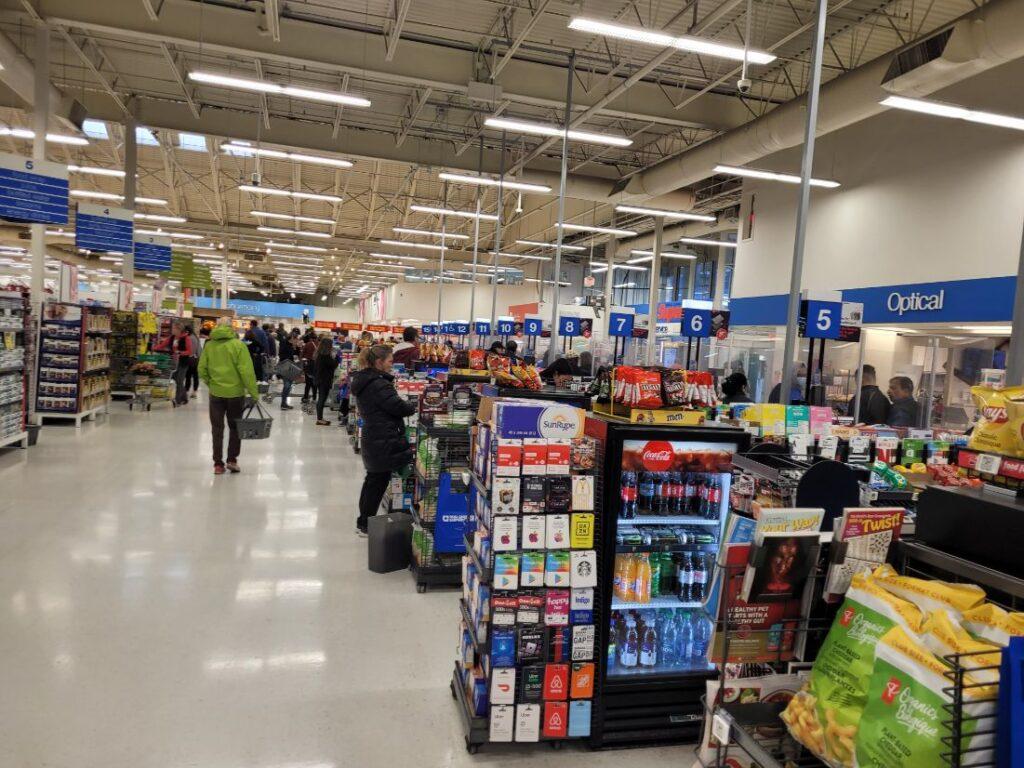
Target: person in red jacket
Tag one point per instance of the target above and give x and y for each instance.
(407, 351)
(179, 343)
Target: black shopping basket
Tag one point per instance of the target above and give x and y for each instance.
(254, 426)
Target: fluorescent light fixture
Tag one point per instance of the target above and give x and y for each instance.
(705, 241)
(599, 270)
(545, 129)
(293, 232)
(245, 150)
(422, 246)
(378, 255)
(939, 109)
(111, 196)
(657, 212)
(685, 43)
(402, 267)
(599, 230)
(646, 256)
(521, 256)
(552, 246)
(288, 193)
(308, 219)
(486, 181)
(451, 212)
(546, 282)
(428, 233)
(625, 285)
(96, 171)
(176, 235)
(116, 259)
(59, 233)
(161, 217)
(310, 248)
(995, 330)
(53, 138)
(262, 86)
(788, 178)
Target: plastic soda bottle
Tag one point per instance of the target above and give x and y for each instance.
(701, 639)
(642, 588)
(669, 637)
(629, 653)
(619, 579)
(685, 642)
(629, 579)
(627, 490)
(655, 559)
(649, 644)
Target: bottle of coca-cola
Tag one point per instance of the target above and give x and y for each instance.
(662, 494)
(677, 493)
(628, 495)
(700, 578)
(705, 495)
(684, 577)
(690, 494)
(645, 493)
(714, 498)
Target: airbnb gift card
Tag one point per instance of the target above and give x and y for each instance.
(556, 682)
(556, 717)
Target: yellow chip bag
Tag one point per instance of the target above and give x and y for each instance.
(997, 431)
(942, 634)
(991, 623)
(930, 594)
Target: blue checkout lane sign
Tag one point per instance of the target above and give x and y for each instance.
(152, 253)
(570, 326)
(533, 326)
(620, 324)
(102, 229)
(822, 319)
(33, 190)
(461, 328)
(430, 329)
(506, 327)
(482, 327)
(696, 323)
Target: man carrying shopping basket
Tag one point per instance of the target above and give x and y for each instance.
(226, 368)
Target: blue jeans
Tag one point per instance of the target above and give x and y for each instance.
(285, 390)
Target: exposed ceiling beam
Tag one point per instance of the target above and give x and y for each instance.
(395, 32)
(18, 74)
(273, 13)
(337, 112)
(264, 110)
(214, 152)
(520, 38)
(414, 108)
(79, 47)
(172, 62)
(152, 11)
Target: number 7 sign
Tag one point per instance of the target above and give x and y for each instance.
(620, 324)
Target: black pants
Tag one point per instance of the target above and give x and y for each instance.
(181, 374)
(374, 485)
(323, 391)
(219, 408)
(310, 390)
(192, 376)
(257, 366)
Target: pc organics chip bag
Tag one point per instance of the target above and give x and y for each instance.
(904, 720)
(996, 431)
(992, 624)
(825, 717)
(930, 594)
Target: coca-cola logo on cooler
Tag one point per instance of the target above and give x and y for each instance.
(657, 455)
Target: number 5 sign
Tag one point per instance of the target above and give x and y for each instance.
(696, 323)
(822, 319)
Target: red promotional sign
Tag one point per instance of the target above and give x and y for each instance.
(397, 329)
(378, 328)
(657, 455)
(351, 326)
(323, 324)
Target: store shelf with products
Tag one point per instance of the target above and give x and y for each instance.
(528, 613)
(74, 358)
(13, 377)
(124, 350)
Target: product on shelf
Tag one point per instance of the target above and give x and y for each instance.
(74, 358)
(663, 387)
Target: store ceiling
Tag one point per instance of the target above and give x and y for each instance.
(415, 61)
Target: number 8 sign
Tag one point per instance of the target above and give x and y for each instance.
(569, 326)
(697, 323)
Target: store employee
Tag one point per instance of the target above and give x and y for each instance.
(905, 410)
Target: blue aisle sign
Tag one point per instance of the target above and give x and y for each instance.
(569, 326)
(461, 327)
(533, 326)
(446, 327)
(506, 326)
(33, 190)
(696, 323)
(821, 319)
(482, 327)
(102, 229)
(152, 253)
(620, 324)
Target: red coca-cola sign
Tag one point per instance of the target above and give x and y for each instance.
(657, 455)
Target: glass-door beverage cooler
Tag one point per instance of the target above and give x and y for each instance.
(665, 497)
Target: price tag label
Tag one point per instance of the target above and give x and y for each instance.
(532, 326)
(988, 464)
(823, 319)
(620, 324)
(569, 326)
(720, 729)
(696, 323)
(506, 327)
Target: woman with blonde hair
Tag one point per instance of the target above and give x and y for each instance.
(383, 444)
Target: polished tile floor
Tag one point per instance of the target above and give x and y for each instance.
(155, 616)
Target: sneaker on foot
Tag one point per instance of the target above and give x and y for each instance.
(218, 469)
(361, 533)
(233, 467)
(287, 407)
(322, 423)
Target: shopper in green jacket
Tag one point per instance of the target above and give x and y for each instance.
(226, 368)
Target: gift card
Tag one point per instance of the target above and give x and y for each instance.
(556, 715)
(503, 647)
(531, 646)
(503, 685)
(559, 495)
(582, 642)
(508, 458)
(583, 567)
(531, 685)
(556, 569)
(557, 532)
(581, 680)
(556, 682)
(581, 530)
(504, 533)
(556, 607)
(584, 454)
(503, 720)
(581, 606)
(535, 456)
(506, 571)
(528, 722)
(533, 495)
(530, 608)
(531, 569)
(558, 456)
(505, 495)
(582, 493)
(533, 532)
(503, 610)
(579, 719)
(559, 645)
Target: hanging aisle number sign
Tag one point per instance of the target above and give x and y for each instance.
(429, 329)
(33, 190)
(506, 326)
(482, 327)
(620, 324)
(532, 326)
(821, 319)
(447, 327)
(103, 229)
(461, 327)
(696, 323)
(569, 326)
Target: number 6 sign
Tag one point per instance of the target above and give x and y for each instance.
(696, 323)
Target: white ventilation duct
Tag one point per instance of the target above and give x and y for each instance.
(981, 40)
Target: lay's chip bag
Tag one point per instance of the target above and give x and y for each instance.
(997, 431)
(825, 717)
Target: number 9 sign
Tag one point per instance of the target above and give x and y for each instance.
(532, 326)
(697, 323)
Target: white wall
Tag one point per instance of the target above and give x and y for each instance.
(347, 313)
(418, 301)
(923, 198)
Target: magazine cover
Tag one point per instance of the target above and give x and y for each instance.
(868, 533)
(786, 561)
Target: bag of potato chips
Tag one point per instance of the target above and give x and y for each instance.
(905, 719)
(942, 634)
(825, 717)
(997, 431)
(991, 623)
(930, 594)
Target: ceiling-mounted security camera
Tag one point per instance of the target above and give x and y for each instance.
(255, 178)
(744, 84)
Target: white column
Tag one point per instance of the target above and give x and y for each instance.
(40, 124)
(131, 156)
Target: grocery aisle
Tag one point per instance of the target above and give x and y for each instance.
(156, 616)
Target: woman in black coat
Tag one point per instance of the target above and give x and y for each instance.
(383, 445)
(324, 365)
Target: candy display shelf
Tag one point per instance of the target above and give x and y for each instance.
(74, 362)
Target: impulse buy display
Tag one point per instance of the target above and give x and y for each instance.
(12, 367)
(74, 359)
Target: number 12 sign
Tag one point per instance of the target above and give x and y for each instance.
(823, 319)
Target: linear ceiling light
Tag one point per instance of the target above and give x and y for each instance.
(422, 246)
(289, 217)
(296, 157)
(545, 129)
(598, 270)
(486, 181)
(161, 217)
(53, 138)
(552, 246)
(684, 43)
(397, 256)
(311, 248)
(657, 212)
(451, 212)
(96, 171)
(428, 233)
(788, 178)
(112, 196)
(402, 267)
(294, 232)
(262, 86)
(939, 109)
(182, 235)
(599, 230)
(505, 255)
(704, 241)
(288, 193)
(646, 256)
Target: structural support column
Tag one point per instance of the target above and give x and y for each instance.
(609, 259)
(497, 239)
(476, 237)
(806, 164)
(440, 268)
(40, 124)
(652, 294)
(1015, 354)
(224, 290)
(860, 376)
(131, 164)
(556, 275)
